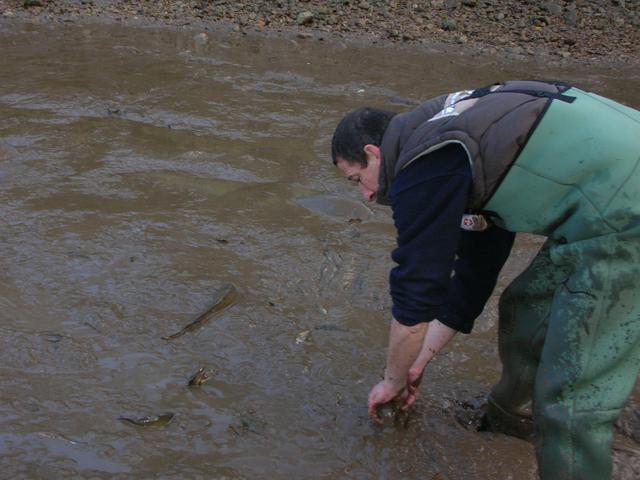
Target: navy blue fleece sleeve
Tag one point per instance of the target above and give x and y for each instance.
(481, 256)
(429, 198)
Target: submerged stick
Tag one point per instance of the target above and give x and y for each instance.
(228, 298)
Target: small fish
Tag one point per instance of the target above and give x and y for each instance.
(200, 377)
(149, 421)
(229, 297)
(329, 327)
(390, 414)
(387, 411)
(303, 337)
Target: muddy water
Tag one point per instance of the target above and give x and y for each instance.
(140, 172)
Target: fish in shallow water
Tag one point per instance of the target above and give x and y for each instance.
(201, 376)
(149, 420)
(228, 297)
(390, 414)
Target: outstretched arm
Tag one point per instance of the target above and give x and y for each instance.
(437, 337)
(405, 344)
(410, 350)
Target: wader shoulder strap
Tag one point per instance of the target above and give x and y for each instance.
(481, 92)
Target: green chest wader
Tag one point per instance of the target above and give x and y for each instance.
(569, 333)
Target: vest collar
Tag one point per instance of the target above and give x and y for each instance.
(390, 149)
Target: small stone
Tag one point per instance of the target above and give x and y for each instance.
(304, 18)
(452, 4)
(364, 5)
(552, 8)
(500, 16)
(469, 3)
(462, 39)
(571, 17)
(449, 24)
(565, 54)
(305, 35)
(8, 14)
(540, 20)
(201, 39)
(32, 3)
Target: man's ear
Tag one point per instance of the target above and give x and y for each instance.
(372, 152)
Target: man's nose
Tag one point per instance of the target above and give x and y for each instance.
(367, 193)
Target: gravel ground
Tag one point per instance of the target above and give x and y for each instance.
(605, 32)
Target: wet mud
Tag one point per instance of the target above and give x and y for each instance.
(140, 172)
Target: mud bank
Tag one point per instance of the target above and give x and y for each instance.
(600, 32)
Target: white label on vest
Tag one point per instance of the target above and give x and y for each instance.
(474, 223)
(449, 108)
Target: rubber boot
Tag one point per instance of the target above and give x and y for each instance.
(497, 419)
(523, 313)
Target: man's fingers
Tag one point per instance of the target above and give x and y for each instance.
(373, 413)
(409, 401)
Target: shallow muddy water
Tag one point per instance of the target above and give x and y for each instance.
(142, 170)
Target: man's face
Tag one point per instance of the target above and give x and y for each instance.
(367, 177)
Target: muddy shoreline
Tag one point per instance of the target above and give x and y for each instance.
(603, 33)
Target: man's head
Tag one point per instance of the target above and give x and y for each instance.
(355, 147)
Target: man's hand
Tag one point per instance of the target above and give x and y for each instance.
(413, 384)
(382, 393)
(410, 350)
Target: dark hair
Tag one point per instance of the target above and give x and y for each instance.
(357, 129)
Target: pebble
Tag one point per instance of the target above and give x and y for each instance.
(304, 18)
(452, 4)
(552, 8)
(571, 17)
(449, 24)
(201, 39)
